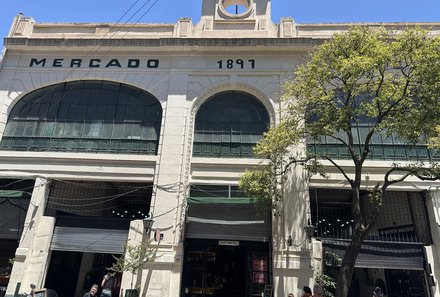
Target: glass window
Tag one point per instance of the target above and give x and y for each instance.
(228, 125)
(55, 118)
(383, 147)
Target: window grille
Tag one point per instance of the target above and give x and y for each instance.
(229, 125)
(402, 218)
(382, 147)
(221, 191)
(122, 201)
(13, 209)
(85, 116)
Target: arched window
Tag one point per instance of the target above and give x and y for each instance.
(85, 116)
(229, 125)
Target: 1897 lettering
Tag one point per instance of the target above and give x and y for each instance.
(239, 63)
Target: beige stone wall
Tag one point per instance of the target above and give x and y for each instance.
(189, 73)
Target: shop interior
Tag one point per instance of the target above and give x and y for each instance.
(15, 196)
(393, 282)
(225, 268)
(71, 274)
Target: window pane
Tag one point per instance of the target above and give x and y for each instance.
(234, 119)
(86, 109)
(10, 128)
(30, 128)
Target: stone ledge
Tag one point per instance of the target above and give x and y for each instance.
(163, 42)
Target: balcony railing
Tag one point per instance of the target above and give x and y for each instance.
(382, 147)
(345, 230)
(87, 145)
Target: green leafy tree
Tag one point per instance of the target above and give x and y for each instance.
(364, 75)
(435, 140)
(327, 283)
(134, 258)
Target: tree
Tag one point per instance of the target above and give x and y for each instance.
(134, 259)
(435, 140)
(363, 75)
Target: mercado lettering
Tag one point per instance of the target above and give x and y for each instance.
(93, 63)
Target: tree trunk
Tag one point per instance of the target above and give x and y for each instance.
(360, 233)
(347, 266)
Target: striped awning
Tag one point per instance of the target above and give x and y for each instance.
(379, 254)
(11, 194)
(227, 219)
(91, 240)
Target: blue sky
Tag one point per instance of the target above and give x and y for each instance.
(168, 11)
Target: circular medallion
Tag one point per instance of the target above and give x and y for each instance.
(243, 8)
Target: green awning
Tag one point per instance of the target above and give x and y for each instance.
(220, 200)
(11, 194)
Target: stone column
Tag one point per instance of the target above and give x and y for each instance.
(292, 264)
(433, 251)
(32, 255)
(163, 277)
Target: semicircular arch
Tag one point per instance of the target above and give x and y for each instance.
(19, 95)
(85, 116)
(239, 87)
(228, 123)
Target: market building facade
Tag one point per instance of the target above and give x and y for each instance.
(104, 127)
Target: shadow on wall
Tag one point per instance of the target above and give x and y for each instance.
(146, 282)
(296, 209)
(292, 281)
(295, 212)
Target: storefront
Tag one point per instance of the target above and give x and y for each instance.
(225, 268)
(399, 269)
(14, 201)
(92, 221)
(393, 255)
(227, 250)
(71, 274)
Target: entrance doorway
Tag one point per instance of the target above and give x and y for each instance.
(71, 274)
(225, 269)
(406, 283)
(63, 272)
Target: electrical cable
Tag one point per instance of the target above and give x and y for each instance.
(65, 199)
(105, 54)
(110, 197)
(97, 47)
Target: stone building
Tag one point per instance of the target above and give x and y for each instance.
(105, 126)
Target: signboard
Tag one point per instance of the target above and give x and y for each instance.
(228, 242)
(259, 278)
(259, 265)
(267, 291)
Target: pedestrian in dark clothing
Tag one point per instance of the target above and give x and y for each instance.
(307, 292)
(108, 282)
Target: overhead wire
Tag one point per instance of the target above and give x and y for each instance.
(94, 49)
(107, 198)
(97, 46)
(105, 54)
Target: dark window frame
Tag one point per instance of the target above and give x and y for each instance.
(82, 116)
(228, 125)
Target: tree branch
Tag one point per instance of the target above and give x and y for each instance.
(340, 169)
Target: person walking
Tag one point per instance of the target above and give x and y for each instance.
(107, 284)
(307, 292)
(317, 291)
(93, 291)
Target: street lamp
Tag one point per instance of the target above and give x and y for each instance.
(310, 231)
(148, 223)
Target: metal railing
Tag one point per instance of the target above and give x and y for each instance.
(345, 230)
